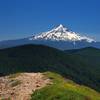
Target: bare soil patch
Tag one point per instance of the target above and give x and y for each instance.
(21, 86)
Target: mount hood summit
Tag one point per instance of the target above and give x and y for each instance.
(61, 33)
(59, 37)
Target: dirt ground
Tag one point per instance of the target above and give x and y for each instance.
(21, 86)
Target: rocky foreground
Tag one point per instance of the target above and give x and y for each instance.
(20, 86)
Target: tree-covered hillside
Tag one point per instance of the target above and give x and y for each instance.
(83, 69)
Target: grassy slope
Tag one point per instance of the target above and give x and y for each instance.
(34, 58)
(63, 89)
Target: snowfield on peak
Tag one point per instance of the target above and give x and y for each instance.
(61, 33)
(59, 37)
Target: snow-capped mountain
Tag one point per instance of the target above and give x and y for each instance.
(61, 33)
(59, 37)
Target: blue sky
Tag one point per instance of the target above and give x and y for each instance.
(21, 18)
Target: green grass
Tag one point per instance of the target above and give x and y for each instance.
(64, 89)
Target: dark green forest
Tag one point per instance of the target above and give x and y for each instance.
(81, 66)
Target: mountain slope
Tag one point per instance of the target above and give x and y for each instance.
(59, 37)
(61, 33)
(62, 89)
(20, 86)
(38, 58)
(90, 55)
